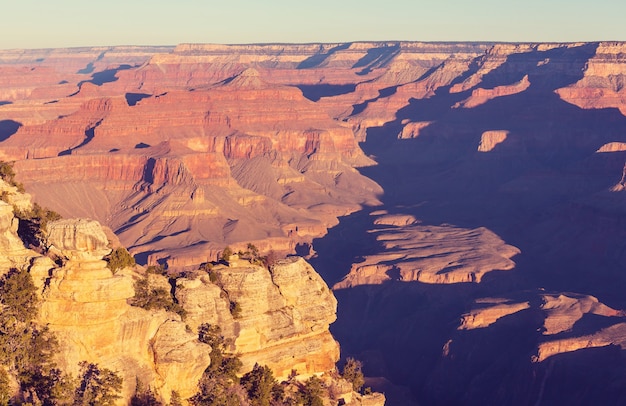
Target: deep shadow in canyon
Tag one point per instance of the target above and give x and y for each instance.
(8, 128)
(544, 190)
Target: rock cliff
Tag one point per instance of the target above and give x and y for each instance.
(492, 172)
(283, 321)
(284, 318)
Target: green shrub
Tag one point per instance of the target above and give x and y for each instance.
(353, 374)
(119, 258)
(26, 348)
(235, 309)
(262, 387)
(33, 224)
(144, 396)
(8, 175)
(18, 296)
(175, 399)
(156, 270)
(219, 384)
(226, 254)
(154, 298)
(6, 172)
(311, 392)
(98, 386)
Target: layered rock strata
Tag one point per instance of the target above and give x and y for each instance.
(283, 321)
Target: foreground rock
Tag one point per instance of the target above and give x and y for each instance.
(281, 318)
(86, 306)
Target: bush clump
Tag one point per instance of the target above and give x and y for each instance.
(119, 258)
(235, 309)
(262, 387)
(151, 297)
(8, 175)
(226, 254)
(219, 384)
(98, 386)
(33, 224)
(352, 373)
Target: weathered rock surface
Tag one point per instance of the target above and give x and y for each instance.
(284, 319)
(85, 305)
(13, 251)
(430, 254)
(494, 309)
(80, 236)
(481, 146)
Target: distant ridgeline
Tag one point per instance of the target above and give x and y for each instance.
(464, 201)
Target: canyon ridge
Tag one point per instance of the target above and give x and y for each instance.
(465, 201)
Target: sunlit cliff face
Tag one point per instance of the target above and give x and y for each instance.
(481, 246)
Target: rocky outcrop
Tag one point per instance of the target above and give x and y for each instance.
(481, 96)
(78, 238)
(494, 309)
(621, 185)
(490, 139)
(412, 130)
(14, 254)
(602, 85)
(86, 306)
(283, 318)
(563, 330)
(430, 254)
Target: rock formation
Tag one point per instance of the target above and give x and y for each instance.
(283, 321)
(284, 318)
(429, 254)
(470, 158)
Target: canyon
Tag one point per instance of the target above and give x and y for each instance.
(463, 200)
(282, 319)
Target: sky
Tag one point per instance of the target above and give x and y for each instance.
(72, 23)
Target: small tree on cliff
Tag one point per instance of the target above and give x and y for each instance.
(98, 386)
(311, 392)
(144, 396)
(353, 374)
(219, 384)
(262, 387)
(18, 296)
(151, 297)
(119, 258)
(33, 225)
(226, 254)
(8, 175)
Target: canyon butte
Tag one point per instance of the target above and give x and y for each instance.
(465, 202)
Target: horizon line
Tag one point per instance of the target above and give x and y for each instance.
(447, 42)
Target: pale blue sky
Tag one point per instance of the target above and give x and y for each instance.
(70, 23)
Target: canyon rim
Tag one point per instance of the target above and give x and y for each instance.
(464, 201)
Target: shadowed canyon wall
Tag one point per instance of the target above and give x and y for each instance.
(465, 201)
